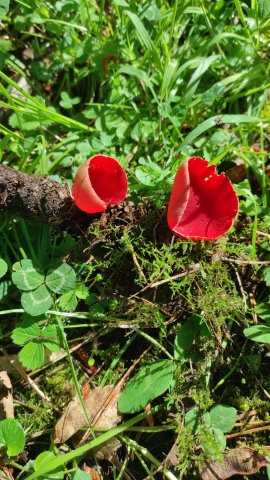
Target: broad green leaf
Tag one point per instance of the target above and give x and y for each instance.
(97, 312)
(61, 278)
(11, 436)
(223, 417)
(44, 459)
(185, 336)
(68, 301)
(32, 355)
(192, 329)
(4, 288)
(80, 475)
(81, 291)
(264, 8)
(25, 276)
(122, 3)
(67, 101)
(219, 443)
(50, 336)
(258, 333)
(150, 382)
(266, 276)
(65, 246)
(25, 332)
(192, 419)
(263, 311)
(3, 267)
(4, 7)
(37, 302)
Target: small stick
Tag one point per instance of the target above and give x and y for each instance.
(243, 293)
(248, 432)
(194, 269)
(251, 413)
(263, 234)
(15, 363)
(138, 266)
(246, 262)
(256, 422)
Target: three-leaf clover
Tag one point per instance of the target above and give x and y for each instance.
(37, 285)
(68, 102)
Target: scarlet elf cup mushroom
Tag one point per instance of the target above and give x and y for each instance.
(203, 204)
(99, 183)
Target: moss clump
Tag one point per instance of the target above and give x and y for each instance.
(59, 386)
(217, 295)
(37, 417)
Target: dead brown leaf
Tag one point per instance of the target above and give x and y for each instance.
(172, 457)
(6, 398)
(238, 172)
(93, 474)
(101, 405)
(239, 461)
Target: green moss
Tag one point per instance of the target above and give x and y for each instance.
(59, 385)
(41, 415)
(38, 416)
(217, 295)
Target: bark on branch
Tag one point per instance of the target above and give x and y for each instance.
(38, 198)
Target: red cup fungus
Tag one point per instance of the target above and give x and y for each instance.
(99, 183)
(203, 204)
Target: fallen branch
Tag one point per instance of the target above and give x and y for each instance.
(37, 198)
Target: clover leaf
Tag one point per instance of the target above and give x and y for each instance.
(34, 340)
(38, 285)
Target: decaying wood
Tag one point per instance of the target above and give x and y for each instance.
(37, 198)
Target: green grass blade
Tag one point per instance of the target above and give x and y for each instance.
(196, 77)
(215, 121)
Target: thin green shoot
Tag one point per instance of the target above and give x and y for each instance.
(154, 342)
(116, 360)
(63, 339)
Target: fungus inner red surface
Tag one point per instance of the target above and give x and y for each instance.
(108, 179)
(212, 203)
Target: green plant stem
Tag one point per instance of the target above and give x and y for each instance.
(116, 359)
(254, 233)
(28, 240)
(124, 465)
(17, 465)
(138, 448)
(241, 15)
(173, 21)
(264, 191)
(73, 373)
(223, 379)
(154, 342)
